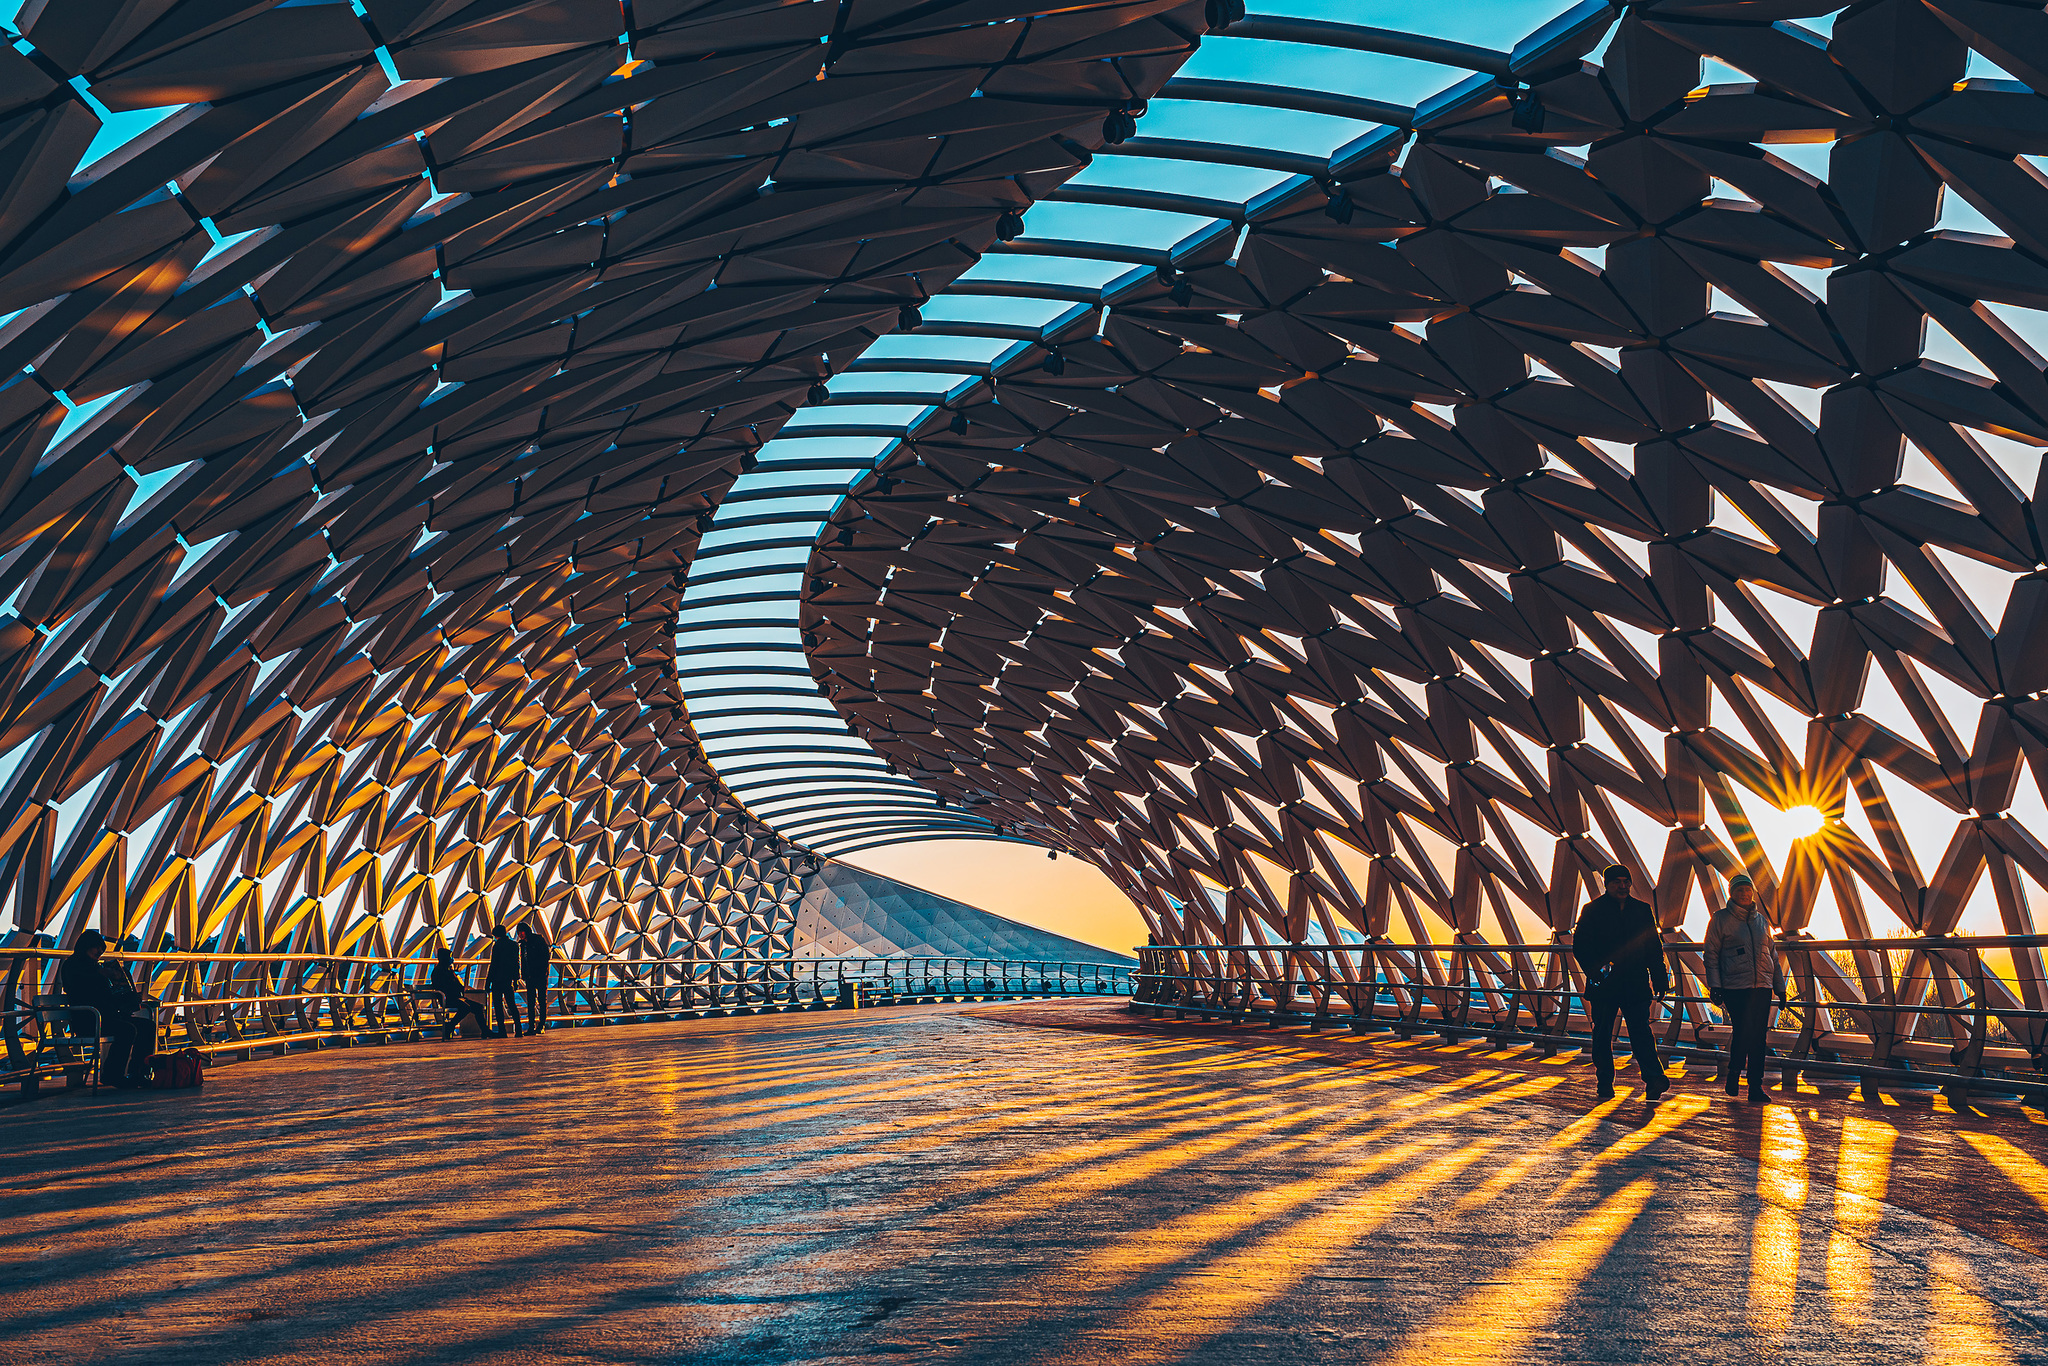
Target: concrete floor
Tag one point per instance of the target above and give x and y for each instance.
(1027, 1183)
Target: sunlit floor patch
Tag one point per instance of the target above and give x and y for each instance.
(1496, 1324)
(948, 1185)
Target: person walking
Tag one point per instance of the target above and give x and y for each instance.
(1618, 948)
(124, 1063)
(502, 981)
(1743, 973)
(455, 1002)
(534, 966)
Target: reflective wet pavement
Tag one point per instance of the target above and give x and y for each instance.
(1026, 1183)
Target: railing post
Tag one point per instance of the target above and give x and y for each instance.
(1970, 1057)
(10, 1028)
(1884, 1022)
(1674, 973)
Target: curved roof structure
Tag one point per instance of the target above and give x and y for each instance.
(375, 373)
(786, 749)
(1625, 455)
(1332, 476)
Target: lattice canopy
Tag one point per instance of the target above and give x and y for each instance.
(1362, 522)
(373, 373)
(1628, 454)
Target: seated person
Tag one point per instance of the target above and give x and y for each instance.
(446, 980)
(125, 1061)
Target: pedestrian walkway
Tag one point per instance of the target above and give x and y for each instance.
(1049, 1183)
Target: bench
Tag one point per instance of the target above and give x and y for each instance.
(60, 1050)
(427, 999)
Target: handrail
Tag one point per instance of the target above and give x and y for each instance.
(237, 1004)
(1935, 1009)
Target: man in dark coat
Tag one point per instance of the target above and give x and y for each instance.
(1618, 948)
(86, 983)
(534, 965)
(502, 982)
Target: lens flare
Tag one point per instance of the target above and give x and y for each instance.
(1801, 821)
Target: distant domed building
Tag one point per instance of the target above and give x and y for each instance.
(848, 913)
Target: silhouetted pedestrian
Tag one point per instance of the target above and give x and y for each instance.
(503, 980)
(124, 1061)
(1618, 948)
(534, 968)
(454, 996)
(1743, 972)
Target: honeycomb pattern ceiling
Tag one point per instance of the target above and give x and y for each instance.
(784, 747)
(373, 373)
(1624, 453)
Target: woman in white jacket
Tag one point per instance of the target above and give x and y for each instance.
(1743, 972)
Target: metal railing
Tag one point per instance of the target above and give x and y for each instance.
(1964, 1014)
(236, 1005)
(892, 979)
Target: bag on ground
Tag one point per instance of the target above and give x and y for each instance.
(178, 1071)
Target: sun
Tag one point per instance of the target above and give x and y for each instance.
(1801, 821)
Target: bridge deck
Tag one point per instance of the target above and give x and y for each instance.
(966, 1184)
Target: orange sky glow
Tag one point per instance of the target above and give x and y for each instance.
(1064, 895)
